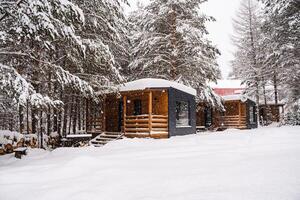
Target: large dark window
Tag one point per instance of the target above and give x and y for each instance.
(182, 114)
(252, 114)
(137, 107)
(208, 116)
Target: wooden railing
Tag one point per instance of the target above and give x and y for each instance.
(146, 124)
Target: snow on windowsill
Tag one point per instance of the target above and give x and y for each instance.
(183, 126)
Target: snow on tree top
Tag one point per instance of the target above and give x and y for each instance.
(226, 84)
(142, 84)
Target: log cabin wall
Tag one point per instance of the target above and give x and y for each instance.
(200, 115)
(112, 113)
(94, 117)
(152, 118)
(159, 102)
(235, 115)
(270, 113)
(134, 96)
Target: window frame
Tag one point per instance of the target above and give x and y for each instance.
(188, 110)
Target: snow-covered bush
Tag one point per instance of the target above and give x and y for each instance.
(292, 117)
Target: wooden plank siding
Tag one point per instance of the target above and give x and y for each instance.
(235, 115)
(153, 121)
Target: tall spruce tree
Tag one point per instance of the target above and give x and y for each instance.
(247, 64)
(282, 26)
(60, 48)
(169, 41)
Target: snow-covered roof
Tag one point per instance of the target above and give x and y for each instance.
(236, 97)
(143, 84)
(262, 102)
(223, 84)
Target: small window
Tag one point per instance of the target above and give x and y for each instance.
(182, 114)
(137, 107)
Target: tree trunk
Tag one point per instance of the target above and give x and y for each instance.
(33, 120)
(257, 104)
(265, 117)
(21, 118)
(86, 115)
(42, 131)
(275, 89)
(59, 117)
(75, 114)
(173, 71)
(27, 116)
(276, 94)
(65, 119)
(49, 110)
(79, 110)
(71, 114)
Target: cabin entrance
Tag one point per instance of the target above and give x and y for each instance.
(145, 113)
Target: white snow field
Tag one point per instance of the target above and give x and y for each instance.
(261, 164)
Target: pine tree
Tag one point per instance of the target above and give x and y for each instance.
(169, 42)
(282, 25)
(247, 64)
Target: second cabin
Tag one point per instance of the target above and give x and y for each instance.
(239, 113)
(154, 108)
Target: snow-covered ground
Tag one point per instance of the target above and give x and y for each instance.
(262, 164)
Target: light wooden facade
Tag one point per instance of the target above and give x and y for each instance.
(152, 117)
(237, 114)
(157, 110)
(271, 113)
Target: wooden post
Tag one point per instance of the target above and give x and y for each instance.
(240, 113)
(150, 111)
(104, 115)
(124, 112)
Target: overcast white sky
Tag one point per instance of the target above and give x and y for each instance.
(220, 31)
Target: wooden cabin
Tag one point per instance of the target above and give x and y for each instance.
(240, 113)
(153, 108)
(271, 112)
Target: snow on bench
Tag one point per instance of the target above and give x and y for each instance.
(20, 151)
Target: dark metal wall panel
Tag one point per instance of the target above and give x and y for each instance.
(251, 125)
(177, 95)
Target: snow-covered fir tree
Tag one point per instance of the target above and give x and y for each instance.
(281, 28)
(247, 64)
(169, 41)
(60, 48)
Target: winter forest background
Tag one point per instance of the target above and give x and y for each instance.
(58, 56)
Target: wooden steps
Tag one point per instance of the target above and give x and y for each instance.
(105, 137)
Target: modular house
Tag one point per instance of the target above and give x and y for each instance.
(149, 107)
(240, 111)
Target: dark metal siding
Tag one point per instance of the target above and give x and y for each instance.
(177, 95)
(248, 104)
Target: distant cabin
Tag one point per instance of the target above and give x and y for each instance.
(153, 108)
(239, 113)
(271, 112)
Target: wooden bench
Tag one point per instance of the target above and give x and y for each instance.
(20, 151)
